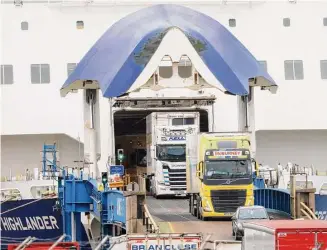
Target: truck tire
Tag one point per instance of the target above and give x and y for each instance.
(153, 193)
(191, 204)
(237, 236)
(198, 213)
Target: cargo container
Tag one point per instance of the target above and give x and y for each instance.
(285, 235)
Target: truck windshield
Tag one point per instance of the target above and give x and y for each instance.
(227, 169)
(171, 152)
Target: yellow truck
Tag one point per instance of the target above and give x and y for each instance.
(219, 171)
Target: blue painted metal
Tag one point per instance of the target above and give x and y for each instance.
(116, 207)
(30, 217)
(259, 183)
(321, 206)
(77, 195)
(49, 165)
(121, 54)
(274, 200)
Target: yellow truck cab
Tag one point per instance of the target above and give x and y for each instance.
(219, 173)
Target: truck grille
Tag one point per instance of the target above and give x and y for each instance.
(176, 178)
(225, 201)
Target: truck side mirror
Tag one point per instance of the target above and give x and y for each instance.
(199, 170)
(256, 167)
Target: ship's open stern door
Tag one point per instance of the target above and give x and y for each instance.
(78, 84)
(264, 84)
(164, 103)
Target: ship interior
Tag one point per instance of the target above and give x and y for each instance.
(130, 135)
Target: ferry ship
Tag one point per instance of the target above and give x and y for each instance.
(43, 42)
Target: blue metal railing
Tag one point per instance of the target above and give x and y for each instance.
(274, 200)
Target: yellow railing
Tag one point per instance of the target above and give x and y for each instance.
(308, 212)
(148, 221)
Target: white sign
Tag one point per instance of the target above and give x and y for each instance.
(28, 223)
(227, 153)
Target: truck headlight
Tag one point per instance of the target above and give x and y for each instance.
(206, 205)
(239, 225)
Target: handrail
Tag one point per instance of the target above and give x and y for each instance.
(62, 237)
(23, 243)
(29, 242)
(205, 242)
(147, 217)
(218, 243)
(309, 210)
(104, 240)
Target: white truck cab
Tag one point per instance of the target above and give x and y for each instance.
(166, 145)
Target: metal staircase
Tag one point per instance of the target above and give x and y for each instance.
(49, 161)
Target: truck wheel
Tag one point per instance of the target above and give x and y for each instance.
(191, 205)
(233, 233)
(198, 213)
(153, 193)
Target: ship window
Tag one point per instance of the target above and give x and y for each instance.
(185, 67)
(166, 67)
(325, 21)
(7, 74)
(182, 121)
(232, 22)
(80, 25)
(70, 68)
(40, 73)
(263, 64)
(293, 70)
(24, 25)
(287, 22)
(227, 144)
(323, 69)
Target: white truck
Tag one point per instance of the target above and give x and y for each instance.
(166, 142)
(187, 241)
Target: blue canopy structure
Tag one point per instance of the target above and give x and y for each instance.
(120, 55)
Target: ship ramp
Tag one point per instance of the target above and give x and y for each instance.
(172, 216)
